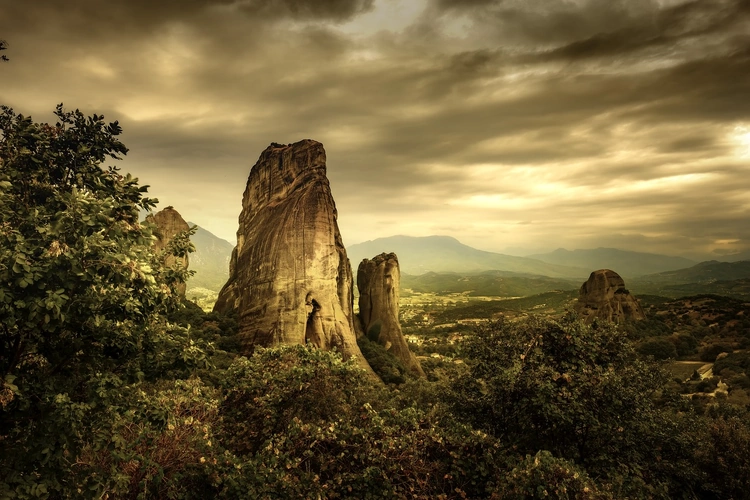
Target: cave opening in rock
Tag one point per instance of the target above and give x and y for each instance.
(313, 330)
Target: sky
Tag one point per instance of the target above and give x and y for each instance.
(516, 126)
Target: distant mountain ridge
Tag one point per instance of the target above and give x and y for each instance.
(210, 261)
(735, 257)
(707, 272)
(419, 255)
(723, 278)
(626, 263)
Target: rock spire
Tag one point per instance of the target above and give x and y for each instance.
(378, 282)
(604, 296)
(169, 223)
(289, 277)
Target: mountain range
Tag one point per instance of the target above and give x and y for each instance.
(704, 272)
(627, 264)
(210, 261)
(731, 279)
(418, 255)
(444, 263)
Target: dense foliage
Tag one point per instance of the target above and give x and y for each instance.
(82, 295)
(113, 387)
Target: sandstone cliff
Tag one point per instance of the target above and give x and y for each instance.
(378, 282)
(604, 296)
(169, 223)
(289, 277)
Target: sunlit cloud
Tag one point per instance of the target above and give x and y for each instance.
(535, 124)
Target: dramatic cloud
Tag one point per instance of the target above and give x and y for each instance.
(508, 123)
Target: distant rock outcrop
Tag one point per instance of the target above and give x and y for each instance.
(169, 223)
(604, 296)
(289, 277)
(378, 284)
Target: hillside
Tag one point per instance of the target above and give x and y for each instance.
(418, 255)
(723, 278)
(210, 261)
(552, 303)
(488, 283)
(706, 272)
(626, 263)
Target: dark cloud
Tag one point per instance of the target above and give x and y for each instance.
(694, 144)
(463, 4)
(548, 21)
(576, 115)
(337, 10)
(691, 20)
(147, 13)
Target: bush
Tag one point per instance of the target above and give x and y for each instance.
(739, 362)
(722, 456)
(685, 344)
(544, 476)
(578, 391)
(710, 352)
(385, 365)
(302, 423)
(659, 349)
(83, 297)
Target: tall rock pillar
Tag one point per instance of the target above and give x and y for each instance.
(378, 282)
(604, 296)
(289, 277)
(169, 223)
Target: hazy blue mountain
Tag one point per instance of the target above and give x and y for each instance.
(210, 261)
(418, 255)
(627, 264)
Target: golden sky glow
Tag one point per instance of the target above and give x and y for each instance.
(508, 124)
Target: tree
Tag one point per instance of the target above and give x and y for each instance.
(578, 391)
(82, 294)
(659, 348)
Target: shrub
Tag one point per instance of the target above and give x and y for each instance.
(685, 344)
(710, 352)
(545, 476)
(302, 423)
(660, 349)
(389, 368)
(578, 391)
(83, 297)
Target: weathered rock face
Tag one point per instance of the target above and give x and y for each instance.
(169, 223)
(378, 283)
(604, 296)
(289, 277)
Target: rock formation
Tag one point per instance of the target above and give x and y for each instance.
(604, 296)
(378, 284)
(289, 277)
(169, 223)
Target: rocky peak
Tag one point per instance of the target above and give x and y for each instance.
(168, 224)
(378, 282)
(290, 279)
(604, 296)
